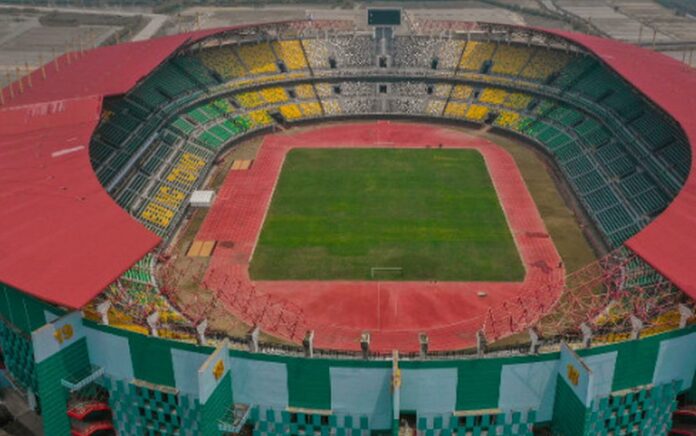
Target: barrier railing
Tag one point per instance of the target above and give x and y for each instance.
(616, 298)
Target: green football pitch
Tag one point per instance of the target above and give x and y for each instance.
(432, 214)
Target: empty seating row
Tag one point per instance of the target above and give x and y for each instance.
(510, 59)
(475, 54)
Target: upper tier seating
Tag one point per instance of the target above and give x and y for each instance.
(577, 66)
(413, 52)
(475, 54)
(510, 59)
(258, 58)
(194, 68)
(291, 53)
(317, 52)
(224, 61)
(163, 136)
(449, 54)
(544, 63)
(348, 51)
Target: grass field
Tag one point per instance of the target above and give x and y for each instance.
(560, 221)
(336, 213)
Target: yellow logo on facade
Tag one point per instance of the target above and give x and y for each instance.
(218, 370)
(573, 375)
(63, 334)
(396, 379)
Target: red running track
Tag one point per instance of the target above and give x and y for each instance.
(394, 312)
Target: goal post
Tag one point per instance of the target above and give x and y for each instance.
(388, 271)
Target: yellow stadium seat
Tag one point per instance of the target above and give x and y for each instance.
(455, 109)
(290, 52)
(186, 170)
(475, 54)
(274, 95)
(477, 112)
(510, 59)
(290, 111)
(508, 119)
(223, 61)
(442, 90)
(312, 109)
(157, 215)
(516, 100)
(544, 63)
(169, 197)
(324, 89)
(258, 57)
(260, 118)
(317, 53)
(462, 92)
(435, 107)
(493, 96)
(304, 91)
(331, 107)
(250, 99)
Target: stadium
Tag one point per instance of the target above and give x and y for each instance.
(300, 227)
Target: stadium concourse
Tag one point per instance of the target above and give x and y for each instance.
(100, 151)
(394, 312)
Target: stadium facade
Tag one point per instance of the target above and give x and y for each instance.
(96, 138)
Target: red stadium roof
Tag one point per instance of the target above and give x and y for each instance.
(63, 239)
(668, 244)
(105, 71)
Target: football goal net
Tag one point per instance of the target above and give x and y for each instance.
(386, 272)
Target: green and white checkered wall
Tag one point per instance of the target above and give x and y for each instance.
(356, 395)
(523, 389)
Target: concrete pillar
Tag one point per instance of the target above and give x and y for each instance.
(152, 322)
(636, 327)
(103, 309)
(308, 343)
(423, 341)
(684, 314)
(481, 343)
(200, 331)
(365, 344)
(586, 335)
(534, 341)
(254, 339)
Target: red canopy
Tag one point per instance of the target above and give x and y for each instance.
(668, 244)
(62, 238)
(104, 71)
